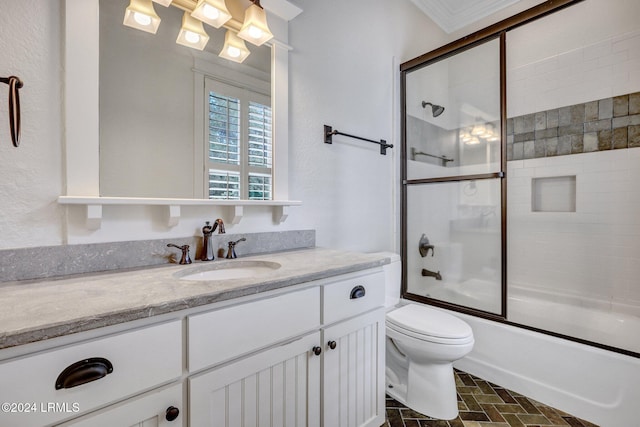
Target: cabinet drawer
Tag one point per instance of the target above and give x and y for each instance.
(147, 410)
(351, 296)
(140, 359)
(225, 334)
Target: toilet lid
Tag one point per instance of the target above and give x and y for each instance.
(429, 322)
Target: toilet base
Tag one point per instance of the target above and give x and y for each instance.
(431, 391)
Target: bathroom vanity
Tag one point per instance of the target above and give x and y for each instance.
(300, 344)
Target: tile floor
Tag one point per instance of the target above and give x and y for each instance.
(483, 404)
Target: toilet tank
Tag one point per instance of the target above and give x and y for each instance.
(393, 278)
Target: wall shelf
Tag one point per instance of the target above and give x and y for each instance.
(173, 207)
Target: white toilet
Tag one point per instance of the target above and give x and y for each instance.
(421, 345)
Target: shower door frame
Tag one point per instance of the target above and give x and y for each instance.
(415, 65)
(498, 30)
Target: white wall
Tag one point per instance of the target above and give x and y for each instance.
(591, 253)
(587, 52)
(343, 74)
(31, 175)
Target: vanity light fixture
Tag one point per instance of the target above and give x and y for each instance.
(255, 29)
(212, 12)
(192, 33)
(141, 15)
(234, 48)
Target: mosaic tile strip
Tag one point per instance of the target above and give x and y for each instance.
(605, 124)
(483, 404)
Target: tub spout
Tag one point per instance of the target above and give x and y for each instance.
(428, 273)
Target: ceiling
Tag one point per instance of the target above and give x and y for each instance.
(451, 15)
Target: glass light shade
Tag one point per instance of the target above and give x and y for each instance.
(255, 29)
(192, 33)
(165, 3)
(478, 130)
(212, 12)
(234, 48)
(141, 16)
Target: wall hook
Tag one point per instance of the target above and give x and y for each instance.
(14, 107)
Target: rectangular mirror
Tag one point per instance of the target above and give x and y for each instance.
(154, 108)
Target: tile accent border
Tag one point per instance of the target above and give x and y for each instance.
(605, 124)
(51, 261)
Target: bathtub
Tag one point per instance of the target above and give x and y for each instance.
(573, 316)
(573, 319)
(597, 385)
(591, 383)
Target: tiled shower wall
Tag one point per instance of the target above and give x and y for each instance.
(610, 123)
(590, 256)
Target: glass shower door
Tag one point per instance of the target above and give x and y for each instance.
(452, 197)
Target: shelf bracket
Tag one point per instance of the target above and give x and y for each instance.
(173, 215)
(238, 213)
(94, 217)
(280, 214)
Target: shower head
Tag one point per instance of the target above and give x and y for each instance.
(436, 110)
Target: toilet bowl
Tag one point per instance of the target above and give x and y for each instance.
(421, 345)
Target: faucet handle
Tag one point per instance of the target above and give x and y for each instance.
(424, 246)
(186, 259)
(231, 253)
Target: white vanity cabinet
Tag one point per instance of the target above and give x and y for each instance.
(309, 355)
(353, 361)
(72, 380)
(255, 381)
(331, 374)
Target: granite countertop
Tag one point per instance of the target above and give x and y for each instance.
(37, 310)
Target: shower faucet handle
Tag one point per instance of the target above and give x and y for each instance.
(424, 246)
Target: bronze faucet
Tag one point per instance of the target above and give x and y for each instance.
(231, 253)
(220, 224)
(207, 242)
(186, 259)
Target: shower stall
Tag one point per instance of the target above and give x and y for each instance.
(521, 174)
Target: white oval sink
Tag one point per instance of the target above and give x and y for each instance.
(231, 270)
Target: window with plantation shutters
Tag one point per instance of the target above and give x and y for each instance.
(239, 145)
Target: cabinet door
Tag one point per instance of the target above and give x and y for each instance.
(152, 409)
(353, 382)
(276, 387)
